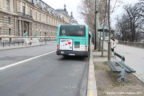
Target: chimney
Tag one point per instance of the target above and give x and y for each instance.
(65, 8)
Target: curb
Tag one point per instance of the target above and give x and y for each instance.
(92, 88)
(139, 77)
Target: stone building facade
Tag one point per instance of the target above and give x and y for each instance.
(32, 18)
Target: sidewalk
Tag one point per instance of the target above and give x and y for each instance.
(134, 58)
(22, 45)
(106, 81)
(98, 58)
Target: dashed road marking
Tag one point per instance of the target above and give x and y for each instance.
(92, 89)
(23, 61)
(90, 83)
(91, 71)
(90, 93)
(90, 76)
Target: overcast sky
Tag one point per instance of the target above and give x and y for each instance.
(118, 9)
(72, 5)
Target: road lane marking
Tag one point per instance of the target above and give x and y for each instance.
(90, 76)
(91, 70)
(91, 83)
(23, 61)
(90, 93)
(92, 88)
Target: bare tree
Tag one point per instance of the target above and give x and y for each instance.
(103, 12)
(131, 23)
(87, 11)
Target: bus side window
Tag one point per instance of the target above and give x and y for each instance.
(81, 33)
(63, 33)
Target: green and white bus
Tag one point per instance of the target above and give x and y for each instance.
(73, 40)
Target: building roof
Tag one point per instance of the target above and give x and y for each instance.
(62, 11)
(43, 5)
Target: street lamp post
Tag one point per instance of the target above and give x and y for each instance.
(109, 43)
(102, 54)
(100, 39)
(95, 25)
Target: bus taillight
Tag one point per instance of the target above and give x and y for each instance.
(86, 47)
(57, 47)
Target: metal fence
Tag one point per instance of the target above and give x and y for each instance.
(22, 41)
(134, 44)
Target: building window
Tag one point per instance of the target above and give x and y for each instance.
(30, 11)
(9, 32)
(46, 19)
(40, 17)
(8, 4)
(18, 28)
(0, 30)
(36, 15)
(23, 7)
(9, 20)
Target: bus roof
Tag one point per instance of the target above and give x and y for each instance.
(72, 25)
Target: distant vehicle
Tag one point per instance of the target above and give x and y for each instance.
(73, 40)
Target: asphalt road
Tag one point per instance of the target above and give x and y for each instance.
(48, 75)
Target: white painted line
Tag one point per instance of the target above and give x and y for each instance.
(23, 61)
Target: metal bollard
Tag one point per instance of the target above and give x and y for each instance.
(9, 44)
(3, 44)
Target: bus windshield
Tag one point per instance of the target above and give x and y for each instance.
(72, 30)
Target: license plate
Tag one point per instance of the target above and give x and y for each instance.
(71, 54)
(62, 52)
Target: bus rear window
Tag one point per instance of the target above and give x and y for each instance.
(72, 30)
